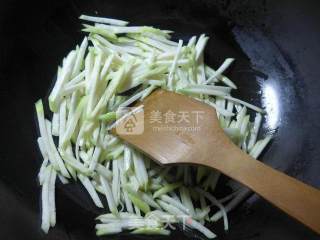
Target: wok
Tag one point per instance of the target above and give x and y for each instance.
(276, 46)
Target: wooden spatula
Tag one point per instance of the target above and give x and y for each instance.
(179, 129)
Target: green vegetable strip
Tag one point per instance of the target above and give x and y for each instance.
(139, 203)
(167, 188)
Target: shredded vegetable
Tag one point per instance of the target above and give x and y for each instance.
(114, 67)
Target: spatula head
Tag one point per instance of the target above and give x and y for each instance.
(173, 128)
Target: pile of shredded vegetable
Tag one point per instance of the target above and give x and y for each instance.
(92, 83)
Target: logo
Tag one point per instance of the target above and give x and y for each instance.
(130, 120)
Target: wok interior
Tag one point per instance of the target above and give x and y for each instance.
(267, 71)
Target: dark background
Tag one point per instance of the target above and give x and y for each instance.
(276, 43)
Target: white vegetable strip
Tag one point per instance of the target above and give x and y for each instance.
(73, 122)
(63, 179)
(218, 204)
(259, 146)
(186, 200)
(75, 163)
(55, 124)
(228, 197)
(42, 148)
(232, 204)
(77, 79)
(92, 87)
(171, 209)
(184, 218)
(111, 228)
(133, 98)
(55, 151)
(113, 85)
(54, 98)
(210, 87)
(127, 159)
(221, 69)
(115, 182)
(90, 188)
(44, 134)
(95, 158)
(71, 89)
(174, 65)
(51, 198)
(220, 110)
(160, 38)
(148, 92)
(108, 193)
(230, 106)
(192, 41)
(198, 226)
(103, 20)
(106, 66)
(45, 220)
(88, 63)
(201, 45)
(116, 48)
(72, 106)
(175, 203)
(42, 171)
(154, 43)
(140, 169)
(255, 130)
(122, 29)
(205, 91)
(104, 172)
(79, 59)
(123, 180)
(260, 110)
(62, 120)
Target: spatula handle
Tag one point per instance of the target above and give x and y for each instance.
(290, 195)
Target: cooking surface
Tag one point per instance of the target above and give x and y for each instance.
(277, 56)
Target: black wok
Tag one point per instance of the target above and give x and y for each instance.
(276, 44)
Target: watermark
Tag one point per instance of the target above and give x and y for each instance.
(167, 128)
(168, 220)
(169, 116)
(132, 120)
(175, 121)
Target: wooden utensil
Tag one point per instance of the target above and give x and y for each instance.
(179, 129)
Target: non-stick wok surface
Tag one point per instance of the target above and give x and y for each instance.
(276, 46)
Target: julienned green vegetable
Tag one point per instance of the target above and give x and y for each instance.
(141, 197)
